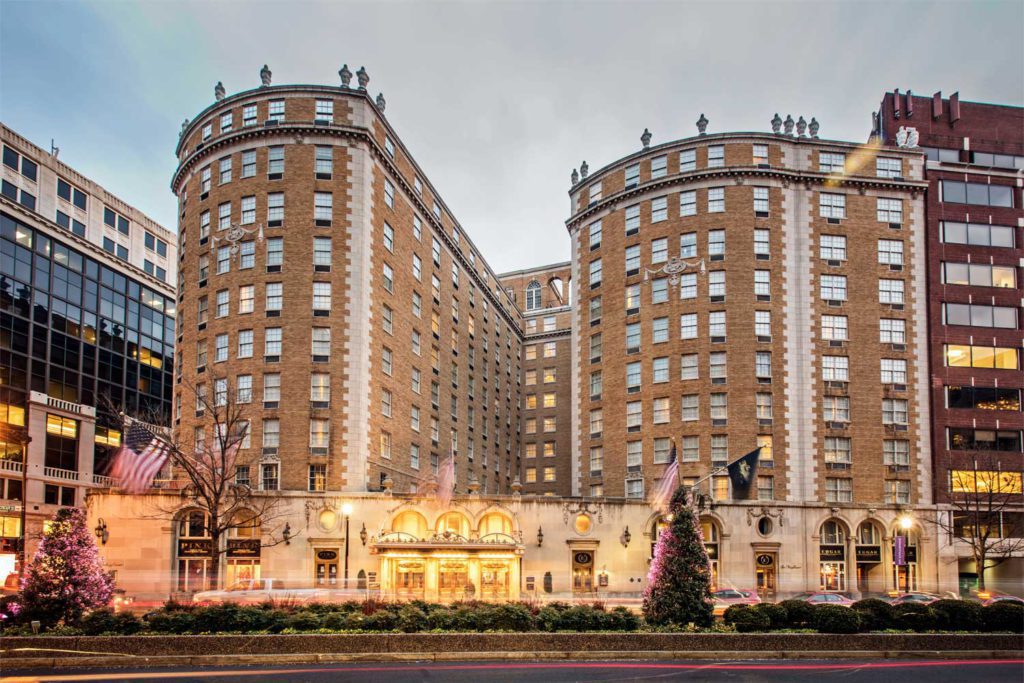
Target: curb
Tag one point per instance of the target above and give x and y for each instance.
(129, 661)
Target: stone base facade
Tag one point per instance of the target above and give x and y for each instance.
(514, 547)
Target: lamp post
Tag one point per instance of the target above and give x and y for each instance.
(346, 509)
(906, 522)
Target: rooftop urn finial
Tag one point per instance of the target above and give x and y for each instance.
(575, 176)
(517, 486)
(788, 124)
(388, 484)
(381, 102)
(645, 139)
(776, 123)
(265, 75)
(363, 78)
(813, 128)
(801, 127)
(184, 125)
(702, 125)
(346, 75)
(584, 170)
(218, 91)
(474, 484)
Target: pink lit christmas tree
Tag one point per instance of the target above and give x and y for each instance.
(679, 582)
(66, 577)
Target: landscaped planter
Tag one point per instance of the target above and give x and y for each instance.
(387, 643)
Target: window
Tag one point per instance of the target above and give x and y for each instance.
(690, 449)
(983, 439)
(688, 286)
(225, 170)
(688, 366)
(385, 403)
(688, 245)
(323, 209)
(979, 275)
(688, 326)
(690, 407)
(832, 247)
(894, 411)
(632, 176)
(322, 296)
(417, 227)
(896, 453)
(243, 383)
(659, 167)
(595, 234)
(659, 291)
(223, 303)
(999, 358)
(979, 315)
(763, 325)
(596, 460)
(271, 393)
(838, 490)
(760, 154)
(595, 272)
(204, 225)
(275, 162)
(595, 384)
(835, 368)
(531, 475)
(220, 391)
(207, 131)
(716, 156)
(716, 199)
(716, 244)
(719, 448)
(245, 343)
(719, 407)
(716, 325)
(659, 368)
(890, 252)
(201, 310)
(320, 387)
(319, 433)
(269, 474)
(249, 116)
(595, 310)
(659, 330)
(716, 285)
(325, 111)
(838, 454)
(633, 259)
(688, 203)
(762, 283)
(549, 400)
(595, 193)
(533, 296)
(659, 209)
(595, 351)
(833, 287)
(834, 327)
(634, 455)
(836, 408)
(831, 205)
(764, 406)
(274, 299)
(976, 193)
(890, 291)
(388, 276)
(249, 163)
(888, 167)
(224, 216)
(389, 195)
(717, 367)
(220, 348)
(894, 371)
(763, 364)
(687, 160)
(321, 344)
(979, 234)
(659, 250)
(633, 376)
(831, 162)
(248, 210)
(890, 210)
(761, 199)
(550, 349)
(272, 342)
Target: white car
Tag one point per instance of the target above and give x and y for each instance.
(255, 591)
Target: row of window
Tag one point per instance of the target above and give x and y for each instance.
(957, 192)
(967, 356)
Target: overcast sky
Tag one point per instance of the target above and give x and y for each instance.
(498, 102)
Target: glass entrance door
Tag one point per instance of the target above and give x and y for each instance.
(494, 581)
(409, 581)
(453, 581)
(582, 572)
(765, 563)
(326, 568)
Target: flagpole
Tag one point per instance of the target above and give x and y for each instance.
(723, 468)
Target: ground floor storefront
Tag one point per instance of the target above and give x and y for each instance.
(510, 547)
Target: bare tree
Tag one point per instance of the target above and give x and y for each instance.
(987, 511)
(203, 468)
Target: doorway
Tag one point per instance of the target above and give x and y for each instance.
(582, 572)
(326, 567)
(766, 568)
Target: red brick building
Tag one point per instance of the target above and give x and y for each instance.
(975, 248)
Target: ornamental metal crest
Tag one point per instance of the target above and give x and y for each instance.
(236, 235)
(674, 268)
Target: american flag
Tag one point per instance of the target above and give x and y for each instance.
(446, 480)
(140, 457)
(661, 495)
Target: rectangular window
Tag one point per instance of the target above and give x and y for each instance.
(890, 252)
(831, 205)
(716, 156)
(389, 195)
(595, 272)
(833, 287)
(761, 200)
(890, 210)
(633, 259)
(688, 326)
(832, 247)
(323, 207)
(688, 366)
(890, 291)
(659, 290)
(225, 170)
(687, 160)
(272, 341)
(762, 283)
(632, 176)
(834, 327)
(763, 364)
(688, 203)
(275, 252)
(275, 111)
(763, 325)
(659, 250)
(324, 166)
(595, 234)
(897, 491)
(659, 330)
(894, 371)
(688, 286)
(325, 111)
(716, 285)
(224, 216)
(659, 368)
(249, 163)
(249, 116)
(271, 389)
(659, 167)
(764, 406)
(248, 210)
(835, 368)
(894, 411)
(976, 193)
(245, 298)
(717, 367)
(836, 408)
(831, 162)
(888, 167)
(633, 376)
(716, 325)
(838, 490)
(595, 193)
(690, 449)
(716, 199)
(838, 454)
(979, 234)
(659, 209)
(760, 155)
(896, 453)
(275, 162)
(690, 407)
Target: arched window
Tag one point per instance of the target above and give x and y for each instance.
(533, 296)
(709, 529)
(412, 523)
(832, 556)
(495, 523)
(453, 522)
(193, 551)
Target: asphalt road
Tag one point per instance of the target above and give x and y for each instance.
(846, 671)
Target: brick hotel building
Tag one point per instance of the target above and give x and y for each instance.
(727, 290)
(87, 309)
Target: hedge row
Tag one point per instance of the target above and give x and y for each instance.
(873, 614)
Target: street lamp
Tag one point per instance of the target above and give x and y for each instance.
(346, 510)
(101, 531)
(906, 522)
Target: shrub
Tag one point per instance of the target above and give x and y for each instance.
(303, 620)
(621, 619)
(547, 618)
(174, 621)
(835, 619)
(915, 617)
(749, 620)
(439, 619)
(107, 621)
(511, 617)
(778, 617)
(729, 616)
(381, 620)
(230, 617)
(1003, 616)
(798, 613)
(875, 614)
(957, 615)
(411, 619)
(580, 618)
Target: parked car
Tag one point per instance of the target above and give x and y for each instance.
(990, 598)
(254, 591)
(913, 597)
(726, 597)
(824, 598)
